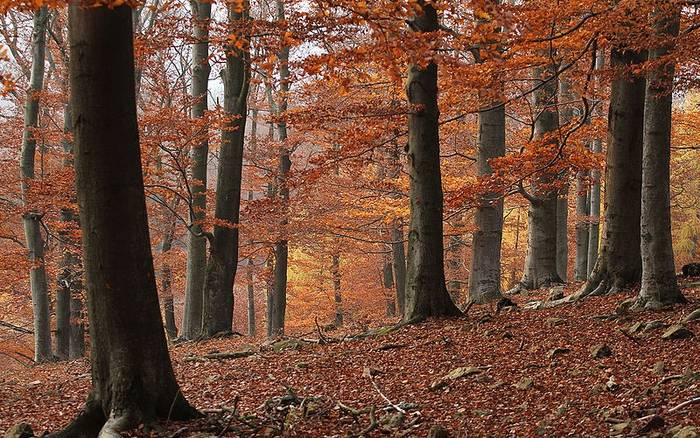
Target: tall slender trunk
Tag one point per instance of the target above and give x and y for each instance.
(196, 243)
(166, 274)
(223, 252)
(659, 285)
(279, 298)
(338, 298)
(619, 262)
(388, 285)
(251, 293)
(426, 292)
(70, 341)
(541, 259)
(132, 377)
(485, 276)
(594, 193)
(398, 255)
(32, 218)
(566, 115)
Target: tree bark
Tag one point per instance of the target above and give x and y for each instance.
(485, 276)
(659, 286)
(223, 251)
(426, 292)
(132, 377)
(388, 286)
(31, 218)
(594, 193)
(619, 261)
(196, 242)
(338, 298)
(398, 254)
(251, 293)
(166, 275)
(541, 259)
(279, 297)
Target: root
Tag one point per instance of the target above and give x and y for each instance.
(118, 423)
(86, 425)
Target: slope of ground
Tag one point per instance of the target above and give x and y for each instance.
(513, 383)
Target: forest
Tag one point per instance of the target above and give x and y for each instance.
(349, 218)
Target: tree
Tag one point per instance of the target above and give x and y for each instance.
(594, 193)
(132, 377)
(223, 250)
(619, 260)
(659, 285)
(32, 218)
(196, 242)
(426, 292)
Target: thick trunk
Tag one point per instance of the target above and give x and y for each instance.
(338, 298)
(659, 285)
(541, 259)
(31, 218)
(398, 255)
(196, 243)
(619, 262)
(426, 293)
(223, 252)
(132, 377)
(485, 276)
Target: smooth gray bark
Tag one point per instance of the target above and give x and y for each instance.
(485, 277)
(567, 110)
(196, 242)
(541, 259)
(31, 218)
(337, 297)
(166, 275)
(426, 292)
(398, 255)
(619, 263)
(222, 264)
(594, 193)
(251, 295)
(132, 377)
(659, 286)
(388, 285)
(279, 298)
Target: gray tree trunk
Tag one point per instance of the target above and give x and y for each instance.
(594, 193)
(388, 285)
(659, 286)
(70, 340)
(566, 115)
(541, 259)
(485, 276)
(31, 218)
(279, 298)
(426, 293)
(251, 295)
(223, 251)
(398, 254)
(619, 262)
(132, 377)
(338, 298)
(196, 242)
(166, 275)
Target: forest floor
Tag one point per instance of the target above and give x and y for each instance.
(515, 373)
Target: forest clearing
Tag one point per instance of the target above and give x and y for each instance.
(349, 218)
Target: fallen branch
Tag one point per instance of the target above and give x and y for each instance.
(386, 347)
(219, 356)
(669, 378)
(630, 337)
(15, 327)
(376, 387)
(684, 404)
(372, 424)
(350, 410)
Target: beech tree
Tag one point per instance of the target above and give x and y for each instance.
(196, 242)
(426, 292)
(659, 285)
(132, 377)
(223, 250)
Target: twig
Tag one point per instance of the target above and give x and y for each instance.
(219, 356)
(684, 404)
(669, 378)
(352, 411)
(398, 408)
(630, 337)
(233, 416)
(372, 424)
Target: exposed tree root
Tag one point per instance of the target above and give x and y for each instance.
(87, 424)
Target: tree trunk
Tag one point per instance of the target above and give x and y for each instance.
(31, 218)
(69, 328)
(541, 259)
(659, 285)
(196, 242)
(426, 293)
(619, 262)
(223, 252)
(166, 274)
(335, 269)
(485, 276)
(251, 294)
(132, 377)
(594, 193)
(398, 254)
(270, 298)
(279, 298)
(388, 285)
(582, 205)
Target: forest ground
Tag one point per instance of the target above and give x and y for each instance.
(516, 387)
